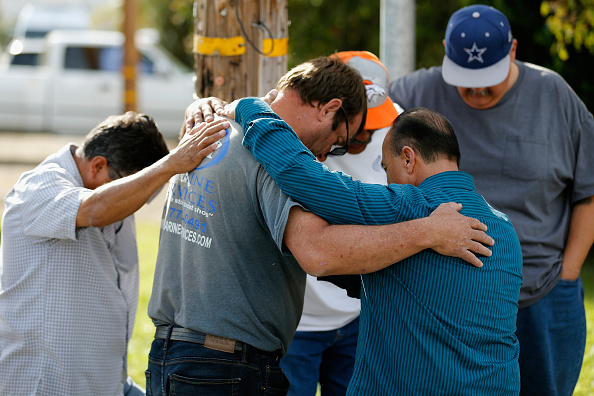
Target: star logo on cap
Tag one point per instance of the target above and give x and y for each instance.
(475, 53)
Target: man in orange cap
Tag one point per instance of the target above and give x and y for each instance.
(323, 348)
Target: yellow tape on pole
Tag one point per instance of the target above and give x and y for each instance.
(229, 46)
(281, 47)
(130, 96)
(129, 72)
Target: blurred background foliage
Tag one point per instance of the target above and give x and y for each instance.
(571, 23)
(554, 34)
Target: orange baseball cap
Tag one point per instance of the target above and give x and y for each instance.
(381, 112)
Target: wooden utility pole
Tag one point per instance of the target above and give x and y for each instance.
(130, 55)
(240, 47)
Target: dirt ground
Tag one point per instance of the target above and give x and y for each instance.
(20, 152)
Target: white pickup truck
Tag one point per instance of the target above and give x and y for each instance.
(70, 81)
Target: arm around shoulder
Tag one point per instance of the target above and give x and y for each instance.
(323, 249)
(119, 199)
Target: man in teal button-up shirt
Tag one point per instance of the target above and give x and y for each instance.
(431, 324)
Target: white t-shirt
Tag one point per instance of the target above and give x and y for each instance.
(326, 306)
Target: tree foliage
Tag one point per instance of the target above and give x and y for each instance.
(571, 22)
(321, 27)
(175, 21)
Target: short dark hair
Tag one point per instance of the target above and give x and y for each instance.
(322, 79)
(427, 132)
(130, 142)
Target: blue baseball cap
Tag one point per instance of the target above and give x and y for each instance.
(478, 42)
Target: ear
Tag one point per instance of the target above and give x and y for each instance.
(410, 159)
(98, 166)
(328, 109)
(512, 51)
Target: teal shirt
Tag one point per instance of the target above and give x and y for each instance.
(430, 324)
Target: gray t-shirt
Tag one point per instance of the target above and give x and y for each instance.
(220, 269)
(530, 155)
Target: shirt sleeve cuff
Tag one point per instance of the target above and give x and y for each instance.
(249, 109)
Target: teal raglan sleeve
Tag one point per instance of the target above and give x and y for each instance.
(329, 194)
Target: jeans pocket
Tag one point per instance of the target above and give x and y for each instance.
(185, 386)
(276, 382)
(567, 282)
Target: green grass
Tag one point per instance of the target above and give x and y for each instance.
(585, 386)
(148, 238)
(144, 331)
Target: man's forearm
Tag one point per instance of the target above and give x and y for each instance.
(580, 238)
(121, 198)
(322, 249)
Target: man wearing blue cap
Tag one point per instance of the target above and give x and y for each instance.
(527, 139)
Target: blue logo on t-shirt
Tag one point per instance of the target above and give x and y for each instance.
(222, 151)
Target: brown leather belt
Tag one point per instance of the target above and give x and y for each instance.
(210, 341)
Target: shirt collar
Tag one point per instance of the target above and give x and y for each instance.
(458, 179)
(65, 159)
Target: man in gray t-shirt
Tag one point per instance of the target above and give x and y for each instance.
(527, 139)
(227, 295)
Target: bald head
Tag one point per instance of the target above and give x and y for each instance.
(420, 143)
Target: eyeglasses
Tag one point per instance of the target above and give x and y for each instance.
(337, 151)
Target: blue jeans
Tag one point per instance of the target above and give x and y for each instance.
(327, 357)
(552, 335)
(185, 368)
